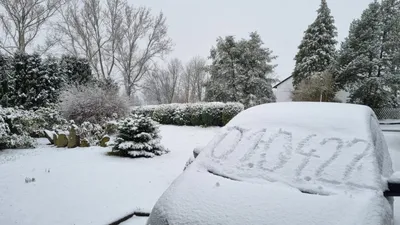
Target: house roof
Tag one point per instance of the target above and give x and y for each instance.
(276, 85)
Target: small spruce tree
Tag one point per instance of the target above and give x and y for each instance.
(138, 137)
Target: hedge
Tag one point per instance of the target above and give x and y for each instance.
(195, 114)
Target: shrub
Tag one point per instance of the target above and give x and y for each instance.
(231, 110)
(110, 127)
(165, 114)
(212, 115)
(138, 137)
(23, 122)
(196, 114)
(92, 104)
(91, 132)
(9, 140)
(52, 117)
(320, 87)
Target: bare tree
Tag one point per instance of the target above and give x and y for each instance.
(143, 39)
(92, 30)
(161, 86)
(21, 21)
(193, 80)
(114, 36)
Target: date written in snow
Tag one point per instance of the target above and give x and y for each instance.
(272, 151)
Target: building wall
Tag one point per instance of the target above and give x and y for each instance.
(284, 91)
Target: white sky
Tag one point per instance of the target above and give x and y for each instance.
(194, 25)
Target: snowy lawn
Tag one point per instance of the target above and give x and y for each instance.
(84, 186)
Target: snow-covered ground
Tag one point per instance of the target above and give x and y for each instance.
(84, 186)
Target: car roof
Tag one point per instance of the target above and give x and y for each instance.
(337, 117)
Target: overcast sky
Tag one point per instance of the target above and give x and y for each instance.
(194, 25)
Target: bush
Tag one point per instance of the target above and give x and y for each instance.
(92, 104)
(196, 114)
(91, 132)
(230, 110)
(52, 117)
(23, 122)
(10, 140)
(138, 137)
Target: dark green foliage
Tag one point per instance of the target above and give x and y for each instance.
(76, 70)
(239, 72)
(229, 111)
(317, 50)
(6, 82)
(29, 82)
(368, 63)
(212, 116)
(197, 114)
(138, 137)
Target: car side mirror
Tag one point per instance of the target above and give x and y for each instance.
(393, 185)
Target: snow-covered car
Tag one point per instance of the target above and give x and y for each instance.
(287, 163)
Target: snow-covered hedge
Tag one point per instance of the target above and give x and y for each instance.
(196, 114)
(138, 137)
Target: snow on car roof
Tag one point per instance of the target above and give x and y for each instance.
(338, 117)
(316, 147)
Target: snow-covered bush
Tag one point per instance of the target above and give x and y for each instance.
(91, 132)
(23, 122)
(212, 115)
(138, 137)
(92, 104)
(196, 114)
(231, 110)
(52, 117)
(10, 140)
(165, 113)
(110, 127)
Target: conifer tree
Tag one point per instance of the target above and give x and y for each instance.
(317, 50)
(240, 72)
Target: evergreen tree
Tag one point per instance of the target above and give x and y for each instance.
(239, 72)
(6, 81)
(26, 76)
(138, 137)
(50, 82)
(368, 60)
(317, 49)
(76, 70)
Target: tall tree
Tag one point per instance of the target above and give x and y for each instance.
(317, 49)
(115, 37)
(143, 38)
(368, 63)
(161, 86)
(91, 29)
(239, 71)
(21, 21)
(193, 80)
